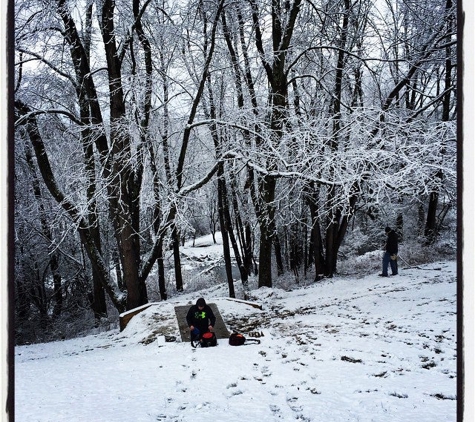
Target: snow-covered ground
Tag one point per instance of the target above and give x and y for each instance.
(346, 349)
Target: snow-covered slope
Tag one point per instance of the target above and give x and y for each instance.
(366, 349)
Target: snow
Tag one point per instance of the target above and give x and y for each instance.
(345, 349)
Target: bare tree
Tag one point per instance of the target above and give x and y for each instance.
(310, 115)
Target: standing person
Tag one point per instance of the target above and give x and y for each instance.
(200, 318)
(390, 253)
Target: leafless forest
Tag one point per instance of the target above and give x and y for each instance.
(295, 128)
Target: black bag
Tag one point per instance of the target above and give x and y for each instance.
(206, 340)
(237, 339)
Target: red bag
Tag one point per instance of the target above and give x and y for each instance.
(208, 340)
(237, 339)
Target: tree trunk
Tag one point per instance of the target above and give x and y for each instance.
(179, 173)
(161, 273)
(176, 258)
(222, 205)
(57, 286)
(243, 229)
(47, 233)
(431, 229)
(98, 304)
(316, 236)
(83, 227)
(331, 240)
(277, 78)
(277, 251)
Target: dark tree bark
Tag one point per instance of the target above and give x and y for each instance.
(243, 229)
(334, 217)
(122, 180)
(315, 235)
(223, 206)
(278, 84)
(225, 230)
(431, 226)
(28, 119)
(98, 303)
(278, 252)
(47, 233)
(187, 133)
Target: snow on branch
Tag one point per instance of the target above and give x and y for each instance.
(66, 113)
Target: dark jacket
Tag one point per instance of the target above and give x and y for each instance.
(200, 319)
(391, 243)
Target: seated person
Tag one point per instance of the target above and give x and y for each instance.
(200, 318)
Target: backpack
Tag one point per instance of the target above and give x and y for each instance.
(237, 339)
(207, 340)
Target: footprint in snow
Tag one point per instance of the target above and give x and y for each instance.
(275, 409)
(291, 401)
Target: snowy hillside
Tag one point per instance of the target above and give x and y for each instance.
(366, 349)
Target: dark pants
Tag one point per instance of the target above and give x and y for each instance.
(388, 261)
